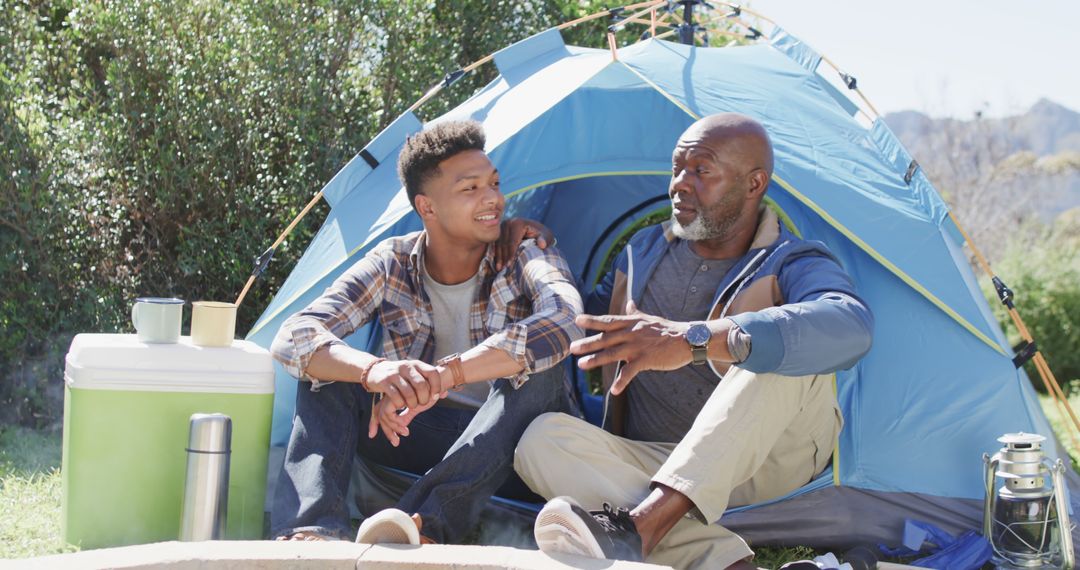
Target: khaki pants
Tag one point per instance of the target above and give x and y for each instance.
(758, 437)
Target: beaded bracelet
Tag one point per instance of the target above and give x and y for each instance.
(367, 370)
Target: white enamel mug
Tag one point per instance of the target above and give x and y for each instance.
(157, 319)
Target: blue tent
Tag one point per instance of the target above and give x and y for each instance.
(583, 140)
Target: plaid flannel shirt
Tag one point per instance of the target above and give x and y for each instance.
(526, 310)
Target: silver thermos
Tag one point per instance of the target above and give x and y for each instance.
(206, 487)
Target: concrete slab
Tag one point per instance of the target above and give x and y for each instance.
(432, 557)
(215, 555)
(270, 555)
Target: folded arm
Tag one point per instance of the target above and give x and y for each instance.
(310, 347)
(303, 342)
(542, 339)
(823, 327)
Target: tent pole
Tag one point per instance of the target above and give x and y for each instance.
(687, 28)
(571, 23)
(260, 266)
(1041, 365)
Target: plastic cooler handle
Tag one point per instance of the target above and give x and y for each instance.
(135, 316)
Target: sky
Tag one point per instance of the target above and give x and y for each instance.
(944, 57)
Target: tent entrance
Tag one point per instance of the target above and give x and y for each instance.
(593, 216)
(589, 214)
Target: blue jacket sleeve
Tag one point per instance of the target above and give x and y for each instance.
(822, 327)
(598, 302)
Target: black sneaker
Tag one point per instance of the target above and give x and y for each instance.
(801, 565)
(563, 526)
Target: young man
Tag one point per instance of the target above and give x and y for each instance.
(480, 342)
(740, 325)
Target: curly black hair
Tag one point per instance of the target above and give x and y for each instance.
(419, 159)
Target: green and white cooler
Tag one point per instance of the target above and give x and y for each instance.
(126, 411)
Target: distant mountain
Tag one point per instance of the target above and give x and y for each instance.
(1032, 147)
(1050, 128)
(1047, 128)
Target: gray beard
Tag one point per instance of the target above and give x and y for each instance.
(697, 230)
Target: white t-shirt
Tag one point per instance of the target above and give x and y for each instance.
(450, 307)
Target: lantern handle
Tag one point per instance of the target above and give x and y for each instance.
(989, 467)
(1057, 475)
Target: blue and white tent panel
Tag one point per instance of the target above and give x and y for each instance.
(583, 143)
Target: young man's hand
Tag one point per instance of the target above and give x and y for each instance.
(512, 232)
(405, 383)
(394, 422)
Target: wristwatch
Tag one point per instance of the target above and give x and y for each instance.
(698, 336)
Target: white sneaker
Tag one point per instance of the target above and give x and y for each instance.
(563, 526)
(389, 526)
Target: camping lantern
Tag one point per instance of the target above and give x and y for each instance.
(1026, 521)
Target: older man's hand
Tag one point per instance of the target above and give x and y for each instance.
(639, 341)
(512, 232)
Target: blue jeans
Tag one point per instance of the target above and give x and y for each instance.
(465, 455)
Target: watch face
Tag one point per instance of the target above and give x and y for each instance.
(698, 335)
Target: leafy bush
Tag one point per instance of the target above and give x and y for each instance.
(1045, 276)
(150, 147)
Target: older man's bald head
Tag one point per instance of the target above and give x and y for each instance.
(739, 138)
(721, 168)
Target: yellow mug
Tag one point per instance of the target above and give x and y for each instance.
(213, 323)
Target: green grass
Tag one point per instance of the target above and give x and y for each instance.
(775, 557)
(29, 493)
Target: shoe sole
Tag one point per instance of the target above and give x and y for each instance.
(559, 529)
(389, 526)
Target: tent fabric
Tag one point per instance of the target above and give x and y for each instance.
(583, 143)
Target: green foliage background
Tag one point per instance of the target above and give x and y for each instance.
(1045, 277)
(151, 147)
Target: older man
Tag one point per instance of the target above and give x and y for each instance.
(725, 328)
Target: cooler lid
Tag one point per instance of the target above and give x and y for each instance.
(121, 361)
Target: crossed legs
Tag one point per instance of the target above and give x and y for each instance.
(757, 437)
(466, 456)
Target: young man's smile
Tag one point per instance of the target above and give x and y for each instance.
(465, 202)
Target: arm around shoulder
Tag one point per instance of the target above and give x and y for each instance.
(541, 339)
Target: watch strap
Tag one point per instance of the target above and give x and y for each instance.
(699, 355)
